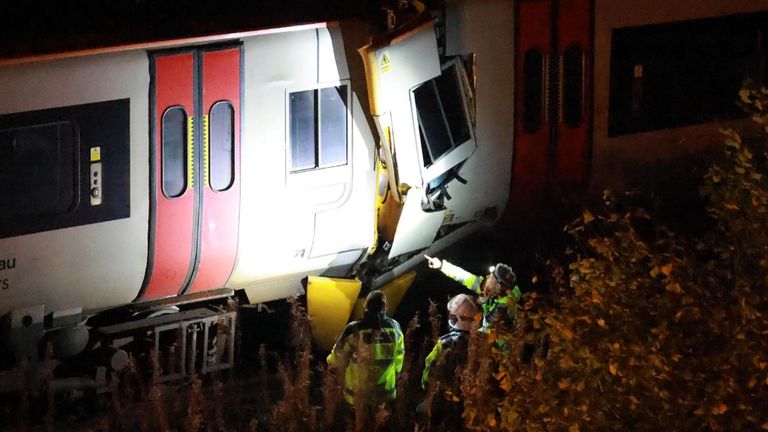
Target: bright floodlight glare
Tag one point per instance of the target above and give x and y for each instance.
(491, 269)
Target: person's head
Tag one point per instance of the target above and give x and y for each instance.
(463, 310)
(501, 279)
(376, 302)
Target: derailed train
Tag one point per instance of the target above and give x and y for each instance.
(140, 184)
(148, 177)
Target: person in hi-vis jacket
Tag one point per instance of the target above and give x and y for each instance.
(498, 291)
(369, 355)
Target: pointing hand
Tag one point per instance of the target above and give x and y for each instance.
(433, 263)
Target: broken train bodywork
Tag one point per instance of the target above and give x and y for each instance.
(187, 171)
(440, 174)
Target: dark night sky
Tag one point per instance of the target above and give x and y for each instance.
(44, 26)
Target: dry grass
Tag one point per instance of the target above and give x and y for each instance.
(293, 391)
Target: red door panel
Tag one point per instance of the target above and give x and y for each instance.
(551, 156)
(531, 132)
(171, 233)
(221, 188)
(571, 162)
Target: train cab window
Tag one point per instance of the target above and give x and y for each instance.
(533, 90)
(442, 118)
(38, 170)
(174, 148)
(222, 126)
(318, 128)
(573, 85)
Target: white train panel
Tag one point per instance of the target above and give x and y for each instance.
(468, 31)
(306, 212)
(620, 160)
(96, 265)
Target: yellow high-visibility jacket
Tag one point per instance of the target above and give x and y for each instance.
(371, 357)
(491, 307)
(448, 354)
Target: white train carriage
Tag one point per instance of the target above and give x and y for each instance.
(180, 171)
(142, 173)
(185, 170)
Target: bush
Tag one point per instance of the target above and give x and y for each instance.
(653, 330)
(643, 329)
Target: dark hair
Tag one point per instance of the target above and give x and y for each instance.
(504, 275)
(375, 306)
(376, 301)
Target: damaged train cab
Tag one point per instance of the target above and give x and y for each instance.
(140, 183)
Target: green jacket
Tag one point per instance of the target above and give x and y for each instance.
(492, 308)
(371, 357)
(448, 354)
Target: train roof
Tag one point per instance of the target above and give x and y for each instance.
(45, 29)
(160, 44)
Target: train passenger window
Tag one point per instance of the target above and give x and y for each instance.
(222, 155)
(38, 170)
(174, 151)
(533, 90)
(683, 73)
(443, 121)
(318, 128)
(302, 130)
(47, 160)
(333, 126)
(573, 85)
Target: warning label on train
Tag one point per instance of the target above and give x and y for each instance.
(385, 63)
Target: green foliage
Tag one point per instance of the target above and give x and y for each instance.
(653, 330)
(643, 329)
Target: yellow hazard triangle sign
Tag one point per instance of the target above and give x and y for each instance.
(385, 64)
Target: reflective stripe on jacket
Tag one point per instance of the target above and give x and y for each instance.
(371, 358)
(473, 282)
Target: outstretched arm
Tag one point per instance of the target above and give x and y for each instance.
(469, 280)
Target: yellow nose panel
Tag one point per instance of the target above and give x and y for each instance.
(332, 301)
(329, 303)
(394, 291)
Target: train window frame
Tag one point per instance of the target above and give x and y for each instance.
(319, 130)
(100, 134)
(213, 148)
(68, 180)
(457, 153)
(533, 100)
(184, 153)
(657, 72)
(572, 99)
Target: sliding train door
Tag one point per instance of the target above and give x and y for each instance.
(552, 132)
(570, 167)
(532, 136)
(194, 168)
(220, 111)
